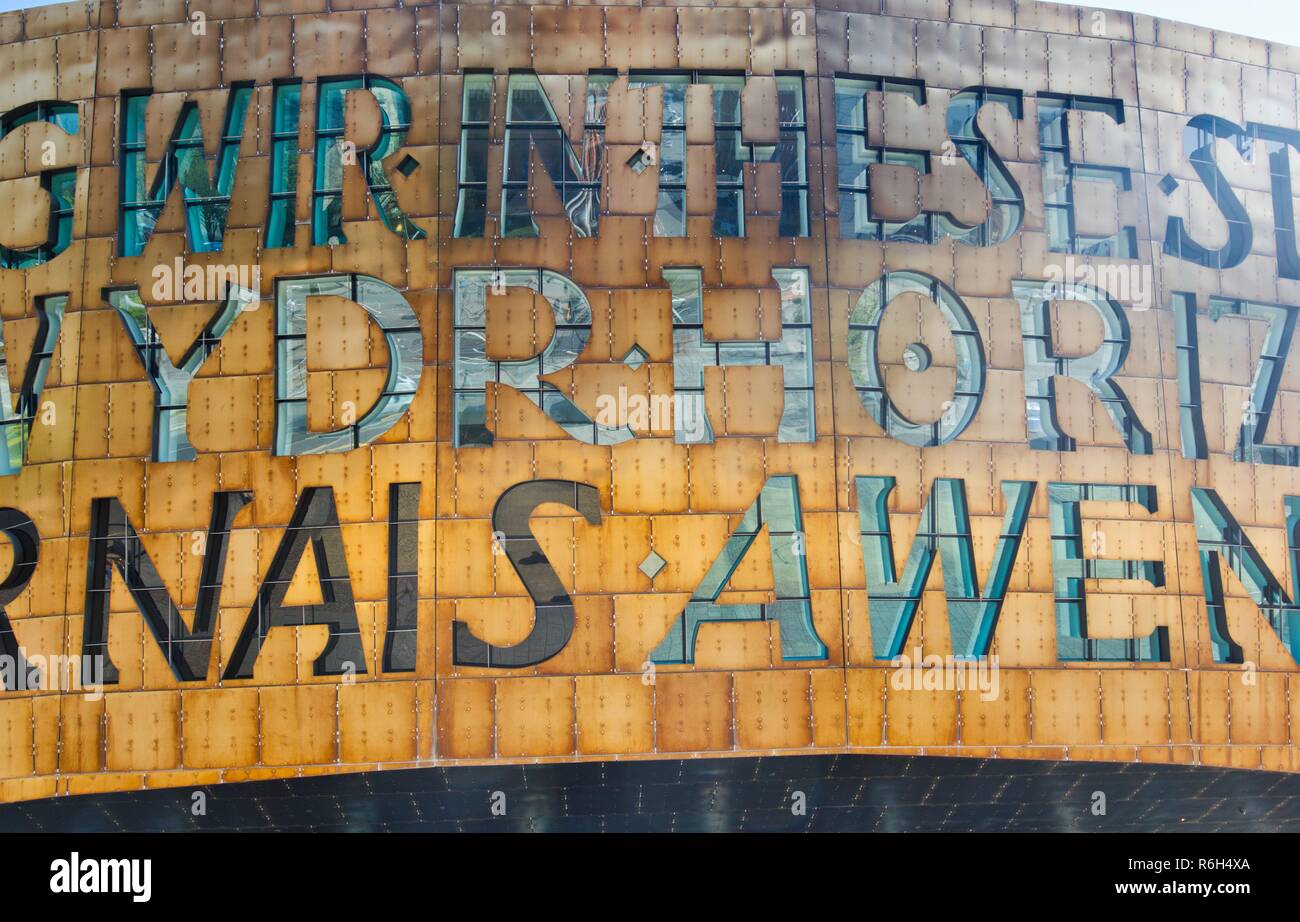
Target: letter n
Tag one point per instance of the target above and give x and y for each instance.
(114, 544)
(1219, 535)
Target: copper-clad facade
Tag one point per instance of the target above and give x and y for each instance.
(1218, 685)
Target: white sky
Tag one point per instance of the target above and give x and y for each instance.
(1275, 20)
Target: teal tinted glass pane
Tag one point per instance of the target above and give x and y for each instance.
(797, 417)
(517, 155)
(688, 359)
(779, 504)
(853, 160)
(740, 352)
(726, 98)
(794, 354)
(1056, 178)
(562, 411)
(527, 102)
(517, 218)
(471, 418)
(723, 566)
(376, 175)
(1002, 186)
(232, 129)
(226, 169)
(794, 213)
(327, 218)
(284, 178)
(133, 178)
(851, 103)
(291, 369)
(192, 172)
(789, 575)
(1058, 225)
(64, 118)
(685, 286)
(474, 155)
(674, 102)
(471, 213)
(394, 107)
(472, 367)
(207, 222)
(331, 105)
(597, 98)
(191, 130)
(670, 214)
(729, 156)
(789, 154)
(855, 220)
(62, 237)
(672, 158)
(279, 223)
(905, 158)
(789, 100)
(329, 168)
(962, 110)
(389, 209)
(1051, 123)
(550, 151)
(288, 100)
(133, 131)
(137, 226)
(477, 99)
(567, 301)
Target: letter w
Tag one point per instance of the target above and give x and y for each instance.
(16, 424)
(945, 526)
(207, 195)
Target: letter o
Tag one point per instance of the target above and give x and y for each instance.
(864, 360)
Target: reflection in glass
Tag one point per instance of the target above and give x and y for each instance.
(864, 359)
(206, 194)
(472, 370)
(16, 421)
(692, 353)
(944, 527)
(1070, 569)
(332, 147)
(1094, 371)
(777, 509)
(389, 309)
(171, 383)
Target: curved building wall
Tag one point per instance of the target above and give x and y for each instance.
(391, 384)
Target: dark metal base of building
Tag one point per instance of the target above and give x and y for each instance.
(840, 793)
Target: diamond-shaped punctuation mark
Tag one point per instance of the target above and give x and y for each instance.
(636, 357)
(408, 165)
(652, 565)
